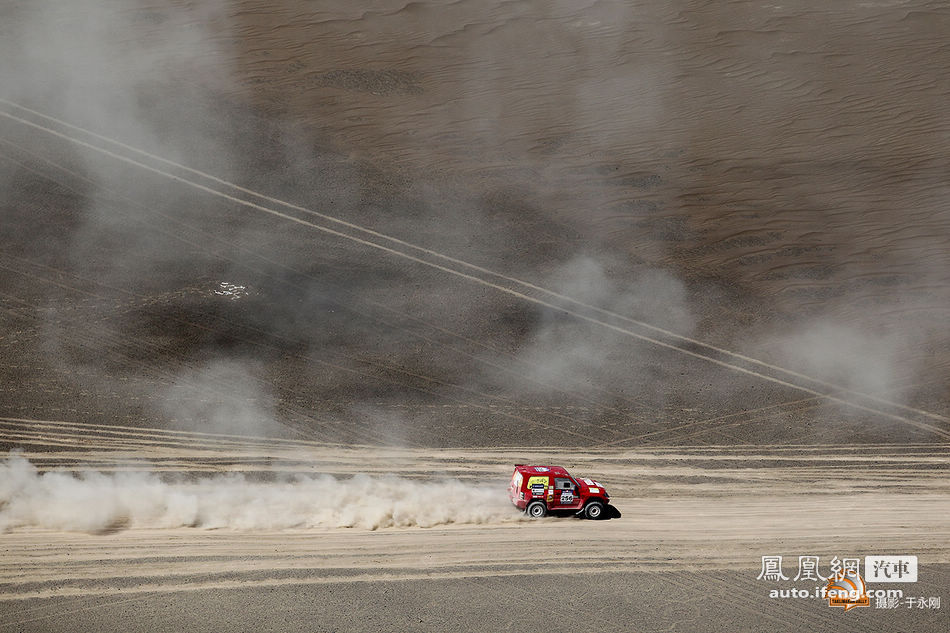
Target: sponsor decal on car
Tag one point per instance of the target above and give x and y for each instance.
(538, 486)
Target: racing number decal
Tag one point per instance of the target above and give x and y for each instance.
(567, 496)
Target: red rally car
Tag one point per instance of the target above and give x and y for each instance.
(541, 489)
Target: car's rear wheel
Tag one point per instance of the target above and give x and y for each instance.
(536, 509)
(594, 510)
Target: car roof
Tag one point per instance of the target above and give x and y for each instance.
(557, 471)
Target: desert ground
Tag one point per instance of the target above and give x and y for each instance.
(287, 288)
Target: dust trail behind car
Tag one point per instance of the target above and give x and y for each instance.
(92, 501)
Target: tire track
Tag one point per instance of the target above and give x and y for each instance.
(670, 341)
(242, 264)
(684, 510)
(378, 364)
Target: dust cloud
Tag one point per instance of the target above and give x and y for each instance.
(563, 353)
(96, 502)
(721, 172)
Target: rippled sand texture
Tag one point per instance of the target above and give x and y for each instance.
(685, 553)
(795, 149)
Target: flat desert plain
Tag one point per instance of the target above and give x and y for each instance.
(288, 287)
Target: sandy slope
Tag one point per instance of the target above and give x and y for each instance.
(781, 168)
(795, 150)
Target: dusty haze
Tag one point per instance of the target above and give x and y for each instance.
(761, 178)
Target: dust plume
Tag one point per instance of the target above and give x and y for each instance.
(223, 396)
(96, 502)
(564, 354)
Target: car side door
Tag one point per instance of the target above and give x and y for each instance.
(566, 494)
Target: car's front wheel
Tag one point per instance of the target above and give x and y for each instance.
(594, 510)
(536, 509)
